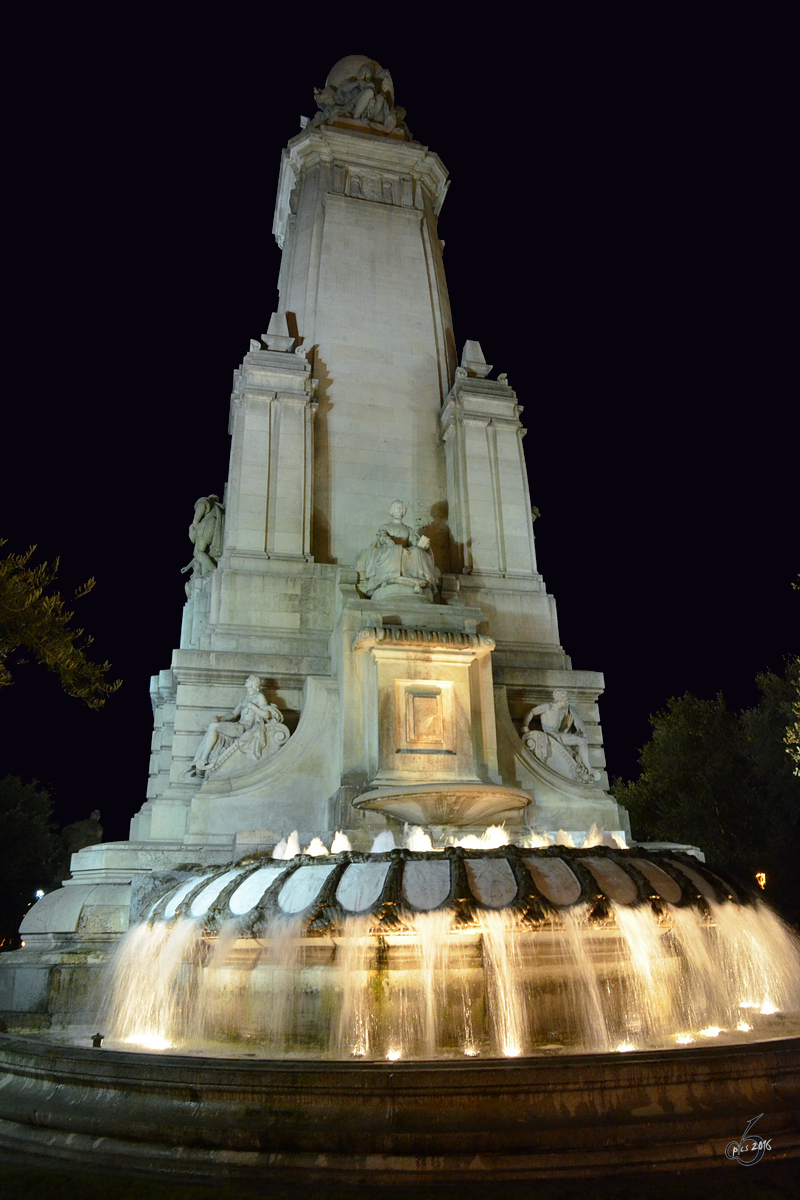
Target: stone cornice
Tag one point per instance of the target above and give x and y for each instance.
(273, 371)
(356, 151)
(390, 636)
(480, 400)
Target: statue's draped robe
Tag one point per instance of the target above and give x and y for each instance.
(398, 558)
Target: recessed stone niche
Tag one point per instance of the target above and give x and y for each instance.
(429, 694)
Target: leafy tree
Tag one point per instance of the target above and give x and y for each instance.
(30, 851)
(792, 735)
(724, 782)
(33, 619)
(792, 738)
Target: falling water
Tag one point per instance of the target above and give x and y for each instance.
(504, 978)
(432, 930)
(649, 995)
(355, 1031)
(153, 981)
(583, 965)
(437, 985)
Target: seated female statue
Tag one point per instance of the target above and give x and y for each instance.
(399, 560)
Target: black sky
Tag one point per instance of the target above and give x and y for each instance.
(617, 238)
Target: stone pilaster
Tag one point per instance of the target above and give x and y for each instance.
(270, 489)
(490, 508)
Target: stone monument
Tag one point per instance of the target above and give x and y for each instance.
(369, 577)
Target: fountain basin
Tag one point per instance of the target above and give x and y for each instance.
(202, 1118)
(458, 805)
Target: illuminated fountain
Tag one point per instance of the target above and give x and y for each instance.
(466, 951)
(367, 644)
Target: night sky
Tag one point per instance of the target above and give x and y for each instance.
(616, 238)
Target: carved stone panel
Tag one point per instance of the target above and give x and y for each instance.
(424, 728)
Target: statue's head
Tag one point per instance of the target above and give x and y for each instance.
(397, 510)
(351, 68)
(253, 683)
(560, 696)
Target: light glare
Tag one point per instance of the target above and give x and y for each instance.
(150, 1041)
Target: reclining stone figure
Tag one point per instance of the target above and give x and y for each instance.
(254, 728)
(560, 741)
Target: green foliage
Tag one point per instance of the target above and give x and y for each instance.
(29, 851)
(33, 620)
(724, 782)
(792, 735)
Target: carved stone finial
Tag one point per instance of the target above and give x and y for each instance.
(278, 336)
(255, 345)
(473, 362)
(359, 91)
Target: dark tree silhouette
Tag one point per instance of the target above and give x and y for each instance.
(725, 782)
(35, 620)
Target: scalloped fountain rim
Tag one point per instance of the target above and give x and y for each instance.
(535, 883)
